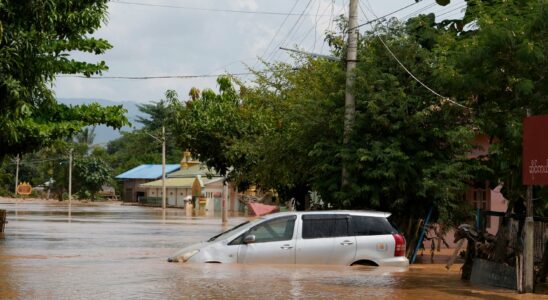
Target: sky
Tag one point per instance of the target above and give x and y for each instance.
(210, 37)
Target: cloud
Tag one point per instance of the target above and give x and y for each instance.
(153, 41)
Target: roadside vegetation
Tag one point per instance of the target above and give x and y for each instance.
(424, 90)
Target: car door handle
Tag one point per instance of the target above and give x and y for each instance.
(286, 247)
(346, 243)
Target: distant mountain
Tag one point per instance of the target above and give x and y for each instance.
(104, 134)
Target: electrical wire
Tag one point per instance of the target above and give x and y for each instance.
(450, 11)
(409, 72)
(278, 30)
(388, 14)
(316, 24)
(271, 56)
(418, 11)
(313, 28)
(157, 77)
(212, 9)
(330, 24)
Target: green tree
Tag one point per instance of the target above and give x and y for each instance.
(121, 153)
(210, 125)
(35, 40)
(90, 174)
(298, 110)
(497, 59)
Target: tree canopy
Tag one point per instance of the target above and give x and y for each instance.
(409, 148)
(36, 38)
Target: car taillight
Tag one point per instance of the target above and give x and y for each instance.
(399, 250)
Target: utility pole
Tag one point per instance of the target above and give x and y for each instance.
(528, 245)
(70, 185)
(224, 201)
(163, 169)
(17, 161)
(162, 139)
(349, 101)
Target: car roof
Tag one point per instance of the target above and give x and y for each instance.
(368, 213)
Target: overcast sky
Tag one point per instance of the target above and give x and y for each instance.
(193, 37)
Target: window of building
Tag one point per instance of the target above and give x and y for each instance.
(479, 196)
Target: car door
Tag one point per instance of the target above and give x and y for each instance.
(325, 239)
(274, 242)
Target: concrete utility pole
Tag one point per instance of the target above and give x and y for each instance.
(164, 169)
(17, 161)
(528, 247)
(162, 139)
(350, 103)
(224, 201)
(70, 185)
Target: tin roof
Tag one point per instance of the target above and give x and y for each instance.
(147, 172)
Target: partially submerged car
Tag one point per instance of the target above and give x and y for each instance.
(318, 237)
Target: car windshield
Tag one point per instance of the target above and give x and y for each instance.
(222, 235)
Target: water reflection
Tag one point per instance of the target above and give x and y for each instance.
(119, 252)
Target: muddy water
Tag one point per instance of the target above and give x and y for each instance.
(119, 252)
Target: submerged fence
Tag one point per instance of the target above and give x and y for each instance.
(150, 201)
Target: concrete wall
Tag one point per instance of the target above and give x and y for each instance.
(130, 189)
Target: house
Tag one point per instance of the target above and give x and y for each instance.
(480, 194)
(180, 183)
(133, 178)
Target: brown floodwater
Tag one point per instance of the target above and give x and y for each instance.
(120, 252)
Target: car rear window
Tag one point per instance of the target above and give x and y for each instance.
(363, 225)
(325, 226)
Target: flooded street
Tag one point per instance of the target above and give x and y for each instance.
(119, 252)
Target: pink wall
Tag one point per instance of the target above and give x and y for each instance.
(498, 203)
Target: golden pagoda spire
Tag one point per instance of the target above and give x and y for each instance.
(185, 159)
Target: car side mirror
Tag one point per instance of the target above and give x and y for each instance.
(249, 239)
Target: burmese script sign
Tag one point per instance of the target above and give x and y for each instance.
(535, 150)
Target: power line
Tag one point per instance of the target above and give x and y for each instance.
(290, 30)
(409, 72)
(388, 14)
(156, 77)
(279, 28)
(218, 10)
(418, 11)
(330, 24)
(450, 11)
(313, 28)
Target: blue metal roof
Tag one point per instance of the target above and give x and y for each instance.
(147, 172)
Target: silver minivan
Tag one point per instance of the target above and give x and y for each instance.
(316, 237)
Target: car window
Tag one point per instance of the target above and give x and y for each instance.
(363, 225)
(325, 226)
(279, 229)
